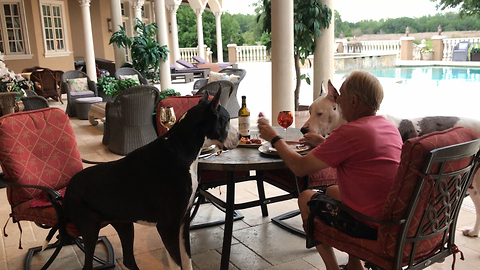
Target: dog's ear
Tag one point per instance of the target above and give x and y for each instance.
(332, 91)
(205, 97)
(322, 90)
(216, 100)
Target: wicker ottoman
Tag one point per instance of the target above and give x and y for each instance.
(83, 106)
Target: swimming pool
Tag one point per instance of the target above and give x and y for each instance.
(428, 73)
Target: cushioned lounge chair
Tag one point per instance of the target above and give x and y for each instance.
(419, 218)
(221, 65)
(74, 84)
(460, 51)
(197, 72)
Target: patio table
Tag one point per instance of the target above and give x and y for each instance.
(242, 159)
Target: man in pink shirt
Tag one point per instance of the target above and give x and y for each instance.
(365, 151)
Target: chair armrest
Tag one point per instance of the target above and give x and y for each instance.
(53, 195)
(316, 202)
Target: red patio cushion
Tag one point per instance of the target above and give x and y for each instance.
(51, 163)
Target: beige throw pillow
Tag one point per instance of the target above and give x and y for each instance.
(214, 76)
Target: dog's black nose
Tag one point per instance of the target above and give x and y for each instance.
(304, 130)
(239, 136)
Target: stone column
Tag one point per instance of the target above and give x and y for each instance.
(174, 28)
(162, 38)
(199, 13)
(88, 37)
(116, 12)
(323, 56)
(438, 46)
(232, 53)
(283, 68)
(406, 52)
(137, 8)
(218, 22)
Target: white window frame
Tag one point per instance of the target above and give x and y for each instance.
(55, 53)
(26, 54)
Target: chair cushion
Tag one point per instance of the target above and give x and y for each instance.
(133, 77)
(83, 94)
(37, 147)
(78, 84)
(463, 46)
(215, 76)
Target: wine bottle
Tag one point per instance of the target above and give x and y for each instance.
(244, 119)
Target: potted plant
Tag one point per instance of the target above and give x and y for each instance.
(12, 87)
(147, 54)
(475, 54)
(427, 52)
(109, 87)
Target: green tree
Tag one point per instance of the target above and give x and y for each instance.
(187, 30)
(309, 17)
(467, 7)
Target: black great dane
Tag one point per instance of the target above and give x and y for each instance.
(154, 184)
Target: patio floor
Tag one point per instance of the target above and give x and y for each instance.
(257, 243)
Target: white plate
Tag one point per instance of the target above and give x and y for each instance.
(208, 149)
(296, 146)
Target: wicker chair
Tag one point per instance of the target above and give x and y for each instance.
(47, 83)
(33, 101)
(227, 90)
(126, 71)
(232, 106)
(129, 119)
(73, 95)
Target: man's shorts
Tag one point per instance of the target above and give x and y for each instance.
(342, 220)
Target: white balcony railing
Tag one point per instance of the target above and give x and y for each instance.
(259, 53)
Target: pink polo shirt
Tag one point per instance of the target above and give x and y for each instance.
(366, 153)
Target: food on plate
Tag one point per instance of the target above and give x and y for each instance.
(244, 140)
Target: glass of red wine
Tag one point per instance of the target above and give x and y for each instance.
(285, 119)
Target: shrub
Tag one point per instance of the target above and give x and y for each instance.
(113, 87)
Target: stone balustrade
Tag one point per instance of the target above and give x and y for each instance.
(260, 54)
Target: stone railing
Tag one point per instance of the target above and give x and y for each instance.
(260, 54)
(382, 46)
(187, 54)
(252, 54)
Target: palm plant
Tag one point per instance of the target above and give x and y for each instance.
(310, 16)
(146, 52)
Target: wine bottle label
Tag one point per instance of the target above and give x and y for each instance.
(244, 125)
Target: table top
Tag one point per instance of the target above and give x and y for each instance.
(246, 158)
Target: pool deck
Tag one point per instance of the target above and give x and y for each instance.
(420, 63)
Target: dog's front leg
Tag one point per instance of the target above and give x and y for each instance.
(473, 232)
(126, 234)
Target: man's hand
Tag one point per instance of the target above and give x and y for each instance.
(265, 130)
(312, 139)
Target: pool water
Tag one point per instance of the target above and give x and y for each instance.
(432, 73)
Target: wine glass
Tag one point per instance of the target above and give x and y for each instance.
(167, 117)
(285, 119)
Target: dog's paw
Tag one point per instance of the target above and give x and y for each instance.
(469, 233)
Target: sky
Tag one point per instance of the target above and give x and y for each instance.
(355, 10)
